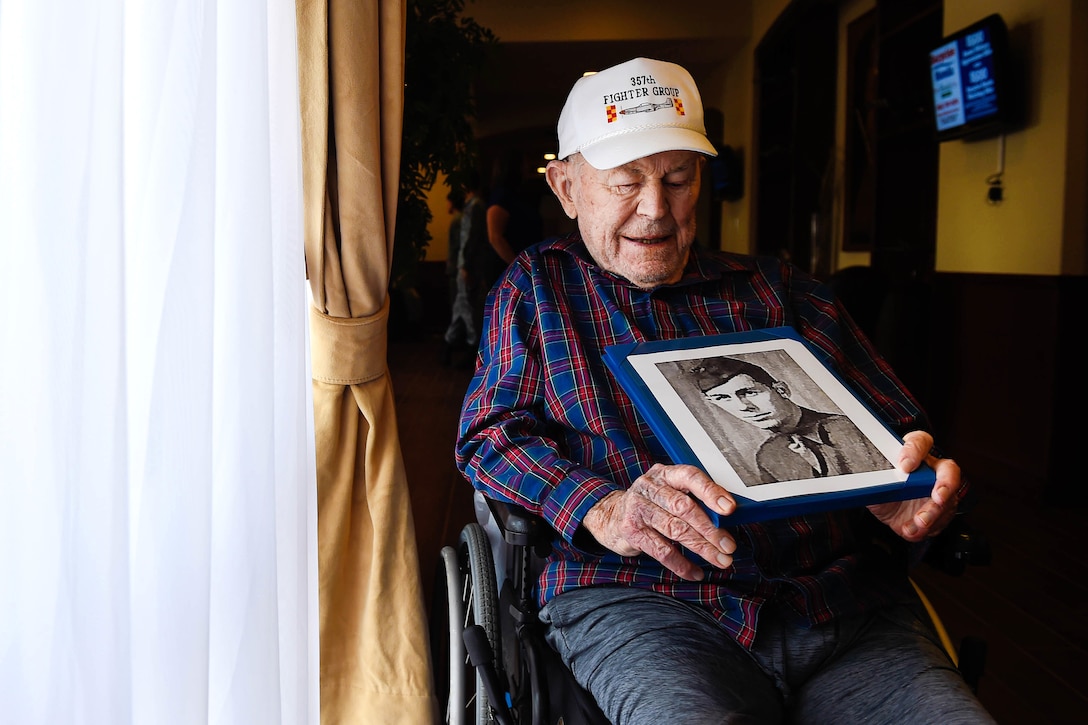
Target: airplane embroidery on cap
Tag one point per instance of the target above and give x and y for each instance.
(647, 107)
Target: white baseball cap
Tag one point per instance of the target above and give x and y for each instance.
(632, 110)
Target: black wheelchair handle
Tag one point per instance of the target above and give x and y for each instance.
(483, 659)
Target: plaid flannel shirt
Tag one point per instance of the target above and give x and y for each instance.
(546, 426)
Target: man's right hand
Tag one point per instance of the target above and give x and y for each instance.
(656, 514)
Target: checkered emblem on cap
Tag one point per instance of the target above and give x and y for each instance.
(679, 105)
(610, 113)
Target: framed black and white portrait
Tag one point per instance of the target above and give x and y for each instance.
(767, 420)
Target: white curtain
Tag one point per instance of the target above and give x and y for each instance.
(157, 486)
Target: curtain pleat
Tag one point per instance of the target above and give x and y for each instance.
(375, 664)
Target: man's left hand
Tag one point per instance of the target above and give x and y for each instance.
(919, 518)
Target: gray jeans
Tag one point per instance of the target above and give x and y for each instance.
(652, 659)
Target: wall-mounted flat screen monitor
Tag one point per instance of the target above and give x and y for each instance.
(969, 75)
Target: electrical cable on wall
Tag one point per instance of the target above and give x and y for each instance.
(996, 193)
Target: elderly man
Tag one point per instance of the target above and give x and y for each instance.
(662, 616)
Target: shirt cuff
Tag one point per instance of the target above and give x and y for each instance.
(569, 502)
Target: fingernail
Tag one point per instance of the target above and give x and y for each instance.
(724, 560)
(725, 504)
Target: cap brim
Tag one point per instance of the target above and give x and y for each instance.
(624, 148)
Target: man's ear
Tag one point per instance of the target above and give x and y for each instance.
(558, 174)
(781, 388)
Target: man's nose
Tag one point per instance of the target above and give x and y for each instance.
(652, 201)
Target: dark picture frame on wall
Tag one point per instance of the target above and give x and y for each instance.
(862, 103)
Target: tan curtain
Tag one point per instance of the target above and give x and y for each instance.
(375, 664)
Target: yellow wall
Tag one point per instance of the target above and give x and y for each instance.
(1038, 228)
(439, 226)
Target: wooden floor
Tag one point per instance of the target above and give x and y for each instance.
(1030, 604)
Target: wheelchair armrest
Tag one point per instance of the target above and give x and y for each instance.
(956, 547)
(519, 527)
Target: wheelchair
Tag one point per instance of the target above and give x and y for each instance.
(492, 664)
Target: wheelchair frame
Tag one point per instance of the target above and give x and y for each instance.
(492, 663)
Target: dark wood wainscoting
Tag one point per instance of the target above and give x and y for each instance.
(1007, 370)
(1007, 400)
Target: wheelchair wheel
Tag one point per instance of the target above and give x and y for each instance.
(466, 587)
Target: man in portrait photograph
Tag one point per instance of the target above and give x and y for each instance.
(801, 443)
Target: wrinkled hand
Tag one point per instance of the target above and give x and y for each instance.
(919, 518)
(656, 514)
